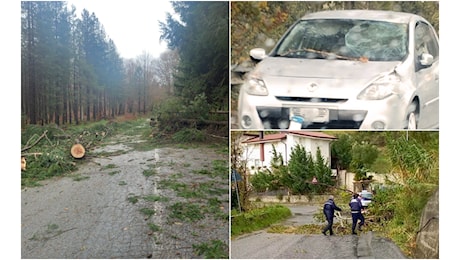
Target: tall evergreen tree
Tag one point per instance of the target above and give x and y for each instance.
(201, 38)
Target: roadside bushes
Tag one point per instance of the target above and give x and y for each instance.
(258, 219)
(296, 175)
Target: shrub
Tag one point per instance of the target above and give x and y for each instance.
(189, 135)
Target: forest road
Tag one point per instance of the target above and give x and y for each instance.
(264, 245)
(129, 204)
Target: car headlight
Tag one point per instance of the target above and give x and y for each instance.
(381, 88)
(256, 87)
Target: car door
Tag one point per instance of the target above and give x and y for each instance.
(427, 76)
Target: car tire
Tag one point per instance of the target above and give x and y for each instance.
(412, 117)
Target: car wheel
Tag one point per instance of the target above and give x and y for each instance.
(412, 117)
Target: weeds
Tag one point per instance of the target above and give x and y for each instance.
(215, 249)
(154, 227)
(149, 172)
(185, 211)
(114, 172)
(133, 199)
(110, 166)
(188, 135)
(79, 177)
(148, 212)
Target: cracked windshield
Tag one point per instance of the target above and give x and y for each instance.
(345, 39)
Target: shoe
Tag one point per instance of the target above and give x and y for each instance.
(324, 233)
(354, 233)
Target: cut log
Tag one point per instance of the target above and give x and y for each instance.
(23, 163)
(77, 151)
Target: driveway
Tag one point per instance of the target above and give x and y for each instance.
(125, 203)
(261, 244)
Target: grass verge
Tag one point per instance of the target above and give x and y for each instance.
(258, 219)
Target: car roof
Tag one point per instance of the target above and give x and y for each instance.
(377, 15)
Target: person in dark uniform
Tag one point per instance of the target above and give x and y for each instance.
(328, 210)
(355, 208)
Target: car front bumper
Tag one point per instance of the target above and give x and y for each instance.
(267, 112)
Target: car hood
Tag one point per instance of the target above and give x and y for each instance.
(319, 77)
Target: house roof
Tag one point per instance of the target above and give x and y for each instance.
(319, 135)
(280, 136)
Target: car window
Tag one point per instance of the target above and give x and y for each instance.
(367, 195)
(425, 41)
(323, 38)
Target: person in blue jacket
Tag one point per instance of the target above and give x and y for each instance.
(355, 208)
(328, 210)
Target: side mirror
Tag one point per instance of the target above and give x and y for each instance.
(426, 60)
(257, 54)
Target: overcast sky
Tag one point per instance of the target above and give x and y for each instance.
(133, 25)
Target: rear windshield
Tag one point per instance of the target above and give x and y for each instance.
(372, 40)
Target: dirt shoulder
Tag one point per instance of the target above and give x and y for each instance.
(128, 203)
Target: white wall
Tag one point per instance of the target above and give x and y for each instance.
(253, 158)
(311, 145)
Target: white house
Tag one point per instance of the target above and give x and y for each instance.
(258, 150)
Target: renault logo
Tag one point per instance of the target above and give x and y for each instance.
(312, 87)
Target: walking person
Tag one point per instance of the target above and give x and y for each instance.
(355, 208)
(328, 210)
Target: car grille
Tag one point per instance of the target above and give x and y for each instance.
(272, 117)
(309, 99)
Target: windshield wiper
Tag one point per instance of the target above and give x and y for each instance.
(324, 54)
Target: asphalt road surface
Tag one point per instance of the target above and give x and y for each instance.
(102, 211)
(287, 246)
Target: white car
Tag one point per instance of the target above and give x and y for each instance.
(366, 198)
(346, 69)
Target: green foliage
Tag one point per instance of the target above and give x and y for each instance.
(215, 249)
(299, 167)
(364, 155)
(399, 208)
(277, 158)
(133, 199)
(149, 172)
(263, 180)
(47, 148)
(177, 113)
(297, 175)
(302, 168)
(57, 48)
(257, 219)
(341, 149)
(147, 211)
(185, 211)
(154, 227)
(413, 160)
(201, 38)
(189, 135)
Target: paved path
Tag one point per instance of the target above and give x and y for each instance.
(265, 245)
(90, 214)
(89, 218)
